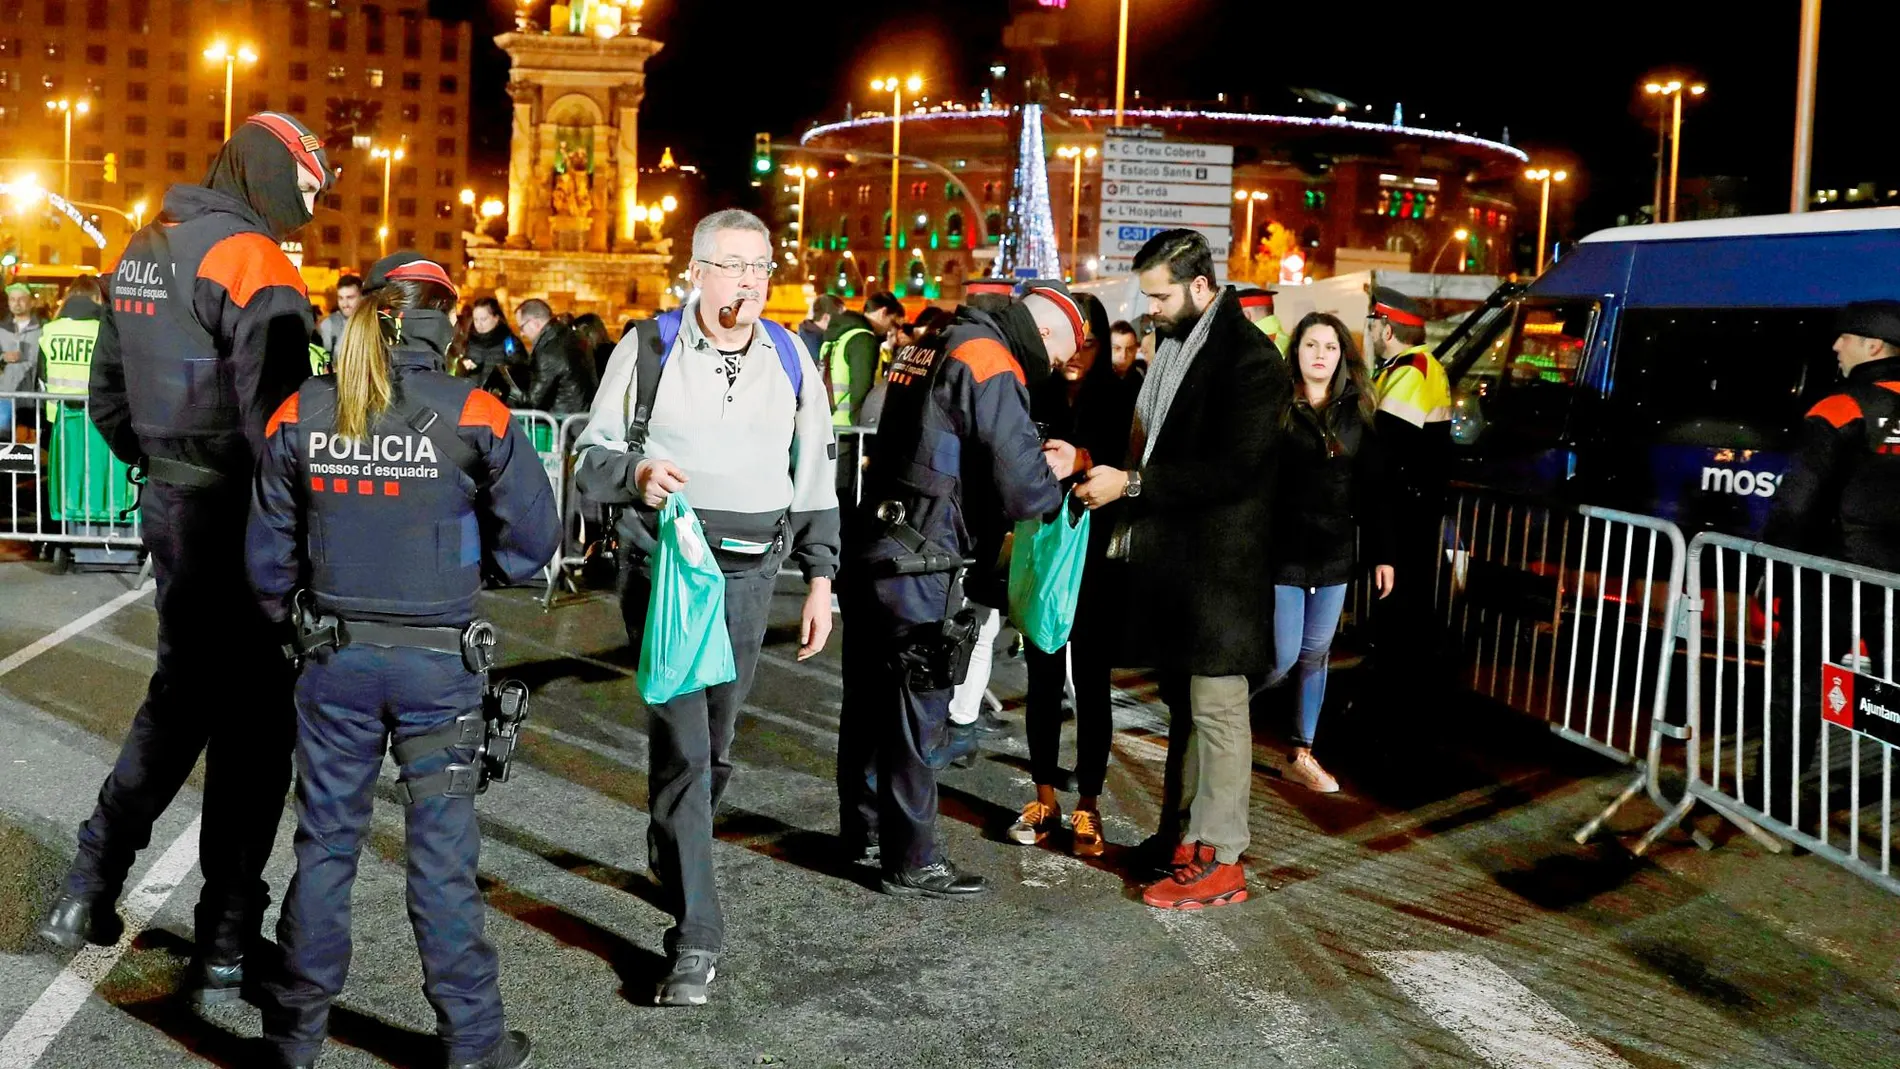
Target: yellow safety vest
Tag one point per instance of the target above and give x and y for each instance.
(66, 358)
(1413, 387)
(319, 359)
(1270, 326)
(831, 355)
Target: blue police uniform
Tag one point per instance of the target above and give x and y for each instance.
(393, 534)
(202, 337)
(958, 452)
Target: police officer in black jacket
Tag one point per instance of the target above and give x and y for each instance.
(205, 333)
(386, 492)
(956, 460)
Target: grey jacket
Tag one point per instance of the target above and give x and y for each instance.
(26, 340)
(760, 463)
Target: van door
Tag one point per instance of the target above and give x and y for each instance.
(1517, 378)
(1706, 402)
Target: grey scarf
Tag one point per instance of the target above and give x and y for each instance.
(1171, 363)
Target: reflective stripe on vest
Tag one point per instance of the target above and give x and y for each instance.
(66, 358)
(319, 359)
(840, 372)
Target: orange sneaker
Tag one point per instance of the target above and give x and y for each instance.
(1035, 824)
(1200, 883)
(1085, 831)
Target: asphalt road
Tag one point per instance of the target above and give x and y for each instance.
(1435, 913)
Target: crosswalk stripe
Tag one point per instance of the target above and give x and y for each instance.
(1499, 1018)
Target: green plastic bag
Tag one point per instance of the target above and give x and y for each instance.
(1045, 576)
(684, 646)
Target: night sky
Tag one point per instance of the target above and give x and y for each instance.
(1565, 78)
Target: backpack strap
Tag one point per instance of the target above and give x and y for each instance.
(653, 344)
(787, 358)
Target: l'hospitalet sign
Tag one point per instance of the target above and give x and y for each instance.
(1861, 703)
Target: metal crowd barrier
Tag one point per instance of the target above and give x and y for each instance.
(544, 431)
(65, 488)
(1567, 614)
(857, 454)
(585, 528)
(1794, 715)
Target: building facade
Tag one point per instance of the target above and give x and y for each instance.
(360, 74)
(1332, 194)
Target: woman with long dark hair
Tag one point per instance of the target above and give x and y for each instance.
(1331, 486)
(1087, 404)
(385, 493)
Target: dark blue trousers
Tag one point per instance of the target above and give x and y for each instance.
(349, 703)
(890, 736)
(221, 689)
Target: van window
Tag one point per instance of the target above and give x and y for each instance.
(1520, 371)
(1727, 377)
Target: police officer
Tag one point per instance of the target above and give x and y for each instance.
(1257, 305)
(1841, 495)
(957, 458)
(1414, 426)
(203, 338)
(391, 489)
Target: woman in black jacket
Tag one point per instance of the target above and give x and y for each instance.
(492, 355)
(1091, 406)
(1331, 484)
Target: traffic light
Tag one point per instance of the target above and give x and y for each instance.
(112, 167)
(761, 155)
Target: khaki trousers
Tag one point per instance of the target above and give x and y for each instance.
(1209, 778)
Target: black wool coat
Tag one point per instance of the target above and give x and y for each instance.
(1200, 590)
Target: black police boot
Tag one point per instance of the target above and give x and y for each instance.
(987, 722)
(689, 979)
(941, 880)
(74, 921)
(513, 1052)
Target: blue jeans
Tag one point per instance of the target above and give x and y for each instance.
(1304, 621)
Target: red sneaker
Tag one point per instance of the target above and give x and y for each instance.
(1200, 882)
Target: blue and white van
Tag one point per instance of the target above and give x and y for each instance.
(1663, 369)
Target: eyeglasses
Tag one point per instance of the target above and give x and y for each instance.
(738, 268)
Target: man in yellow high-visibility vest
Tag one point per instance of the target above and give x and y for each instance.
(849, 360)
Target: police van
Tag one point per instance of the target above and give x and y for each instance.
(1663, 369)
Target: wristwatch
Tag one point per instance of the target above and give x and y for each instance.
(1133, 488)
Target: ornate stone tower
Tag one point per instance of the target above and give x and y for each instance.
(575, 221)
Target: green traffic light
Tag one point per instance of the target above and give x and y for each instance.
(762, 165)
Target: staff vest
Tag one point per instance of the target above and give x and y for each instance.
(1419, 399)
(832, 356)
(66, 358)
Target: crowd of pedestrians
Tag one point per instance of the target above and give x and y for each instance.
(1228, 483)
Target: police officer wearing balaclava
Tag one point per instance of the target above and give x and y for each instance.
(204, 335)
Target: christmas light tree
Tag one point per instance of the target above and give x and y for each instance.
(1029, 239)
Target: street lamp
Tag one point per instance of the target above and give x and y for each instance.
(1078, 154)
(1250, 197)
(389, 156)
(1121, 63)
(468, 198)
(1673, 90)
(802, 174)
(67, 109)
(1459, 235)
(138, 216)
(1546, 176)
(896, 89)
(219, 52)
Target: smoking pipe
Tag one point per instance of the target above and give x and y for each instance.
(729, 315)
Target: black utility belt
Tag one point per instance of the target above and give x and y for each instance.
(314, 632)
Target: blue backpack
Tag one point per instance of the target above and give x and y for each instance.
(655, 340)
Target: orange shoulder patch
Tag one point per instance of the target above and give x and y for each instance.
(987, 358)
(286, 413)
(482, 410)
(1839, 410)
(246, 263)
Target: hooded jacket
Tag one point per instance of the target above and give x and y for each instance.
(207, 324)
(956, 445)
(392, 529)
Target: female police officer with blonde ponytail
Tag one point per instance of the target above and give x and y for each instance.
(386, 492)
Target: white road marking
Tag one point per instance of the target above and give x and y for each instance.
(1499, 1018)
(1046, 869)
(46, 1018)
(1289, 1032)
(41, 645)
